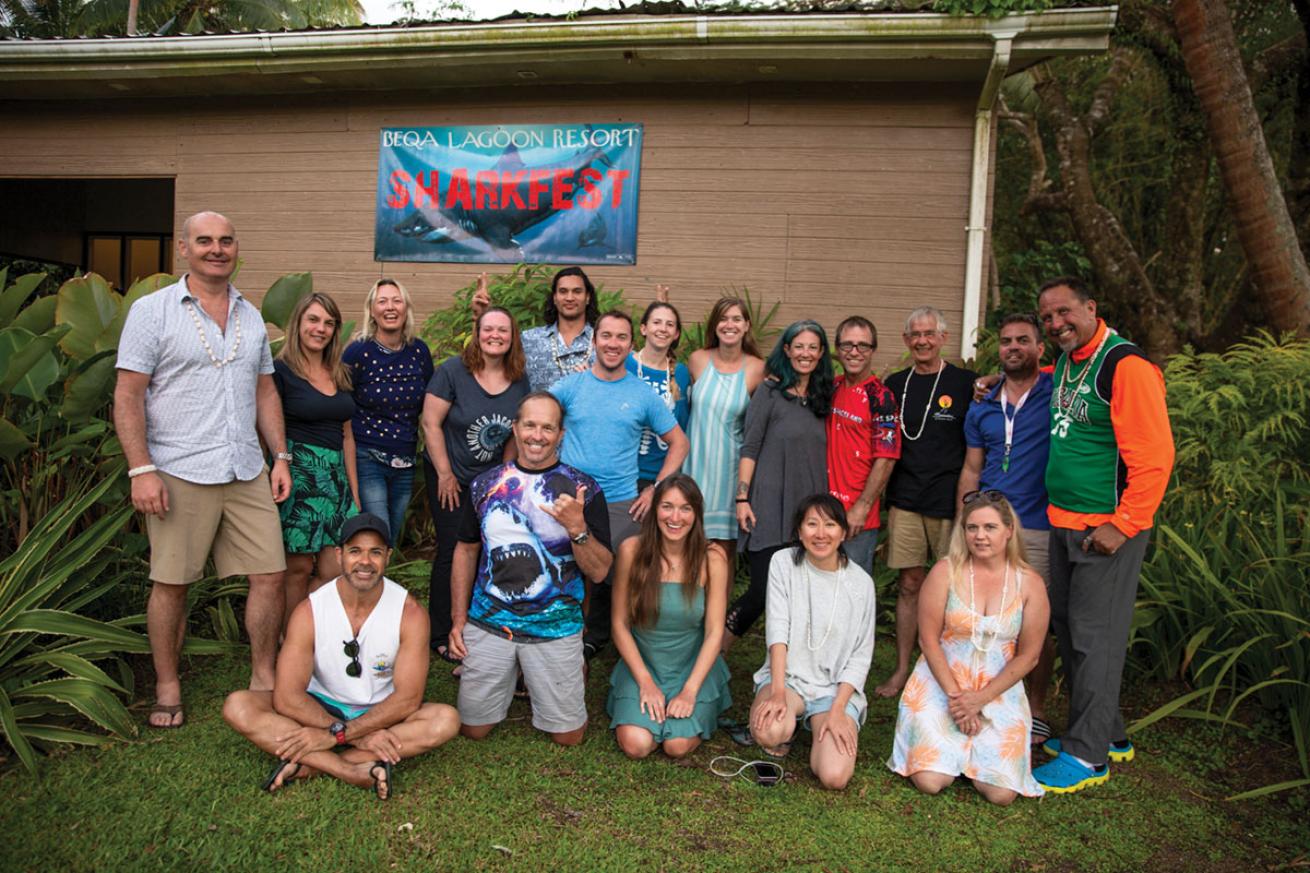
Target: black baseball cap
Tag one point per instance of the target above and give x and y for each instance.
(365, 521)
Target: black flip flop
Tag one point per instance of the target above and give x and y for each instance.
(443, 652)
(377, 783)
(272, 777)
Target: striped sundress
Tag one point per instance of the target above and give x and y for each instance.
(718, 411)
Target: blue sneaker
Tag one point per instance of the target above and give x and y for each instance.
(1121, 751)
(1065, 775)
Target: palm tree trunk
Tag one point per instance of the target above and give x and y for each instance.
(1264, 227)
(132, 6)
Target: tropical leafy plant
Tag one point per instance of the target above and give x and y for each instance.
(523, 292)
(1224, 603)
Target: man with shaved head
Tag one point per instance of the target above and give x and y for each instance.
(194, 396)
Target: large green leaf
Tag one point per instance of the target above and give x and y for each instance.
(16, 294)
(89, 391)
(56, 621)
(91, 700)
(51, 733)
(14, 733)
(73, 666)
(88, 306)
(38, 316)
(280, 299)
(140, 288)
(27, 361)
(13, 442)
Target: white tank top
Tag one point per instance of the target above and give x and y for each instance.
(379, 642)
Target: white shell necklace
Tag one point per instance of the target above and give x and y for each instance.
(927, 407)
(977, 617)
(832, 614)
(204, 340)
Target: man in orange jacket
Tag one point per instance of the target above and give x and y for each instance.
(1111, 454)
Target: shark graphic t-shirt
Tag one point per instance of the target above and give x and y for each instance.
(528, 586)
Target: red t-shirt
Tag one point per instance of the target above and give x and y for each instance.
(864, 424)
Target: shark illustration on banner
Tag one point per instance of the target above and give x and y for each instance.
(508, 194)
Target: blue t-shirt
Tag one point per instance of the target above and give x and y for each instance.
(529, 587)
(1024, 484)
(651, 452)
(389, 388)
(602, 428)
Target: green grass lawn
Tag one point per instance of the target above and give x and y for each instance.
(189, 799)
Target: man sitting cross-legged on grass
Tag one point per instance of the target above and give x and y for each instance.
(350, 677)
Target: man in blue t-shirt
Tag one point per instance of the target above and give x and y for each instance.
(534, 532)
(605, 410)
(1008, 438)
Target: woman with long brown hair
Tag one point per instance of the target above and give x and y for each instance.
(468, 412)
(317, 406)
(725, 373)
(670, 595)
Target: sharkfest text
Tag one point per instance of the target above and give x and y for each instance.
(564, 188)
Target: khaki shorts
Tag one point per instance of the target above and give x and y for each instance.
(1037, 548)
(915, 540)
(236, 521)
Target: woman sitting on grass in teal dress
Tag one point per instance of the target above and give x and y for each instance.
(670, 596)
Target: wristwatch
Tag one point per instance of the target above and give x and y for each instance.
(582, 538)
(282, 456)
(338, 730)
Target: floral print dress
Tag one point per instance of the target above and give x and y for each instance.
(926, 735)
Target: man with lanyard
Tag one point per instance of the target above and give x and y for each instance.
(864, 437)
(933, 396)
(562, 346)
(535, 532)
(1111, 455)
(195, 395)
(605, 411)
(349, 695)
(1008, 437)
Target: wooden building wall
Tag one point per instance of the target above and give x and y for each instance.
(833, 199)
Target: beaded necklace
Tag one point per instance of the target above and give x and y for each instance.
(832, 614)
(1065, 397)
(558, 351)
(204, 340)
(977, 617)
(927, 407)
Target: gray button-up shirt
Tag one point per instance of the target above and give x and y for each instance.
(547, 358)
(200, 419)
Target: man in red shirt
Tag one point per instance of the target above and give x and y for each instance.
(864, 437)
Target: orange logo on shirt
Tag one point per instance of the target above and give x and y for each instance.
(944, 401)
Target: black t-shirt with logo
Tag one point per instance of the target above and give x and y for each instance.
(924, 478)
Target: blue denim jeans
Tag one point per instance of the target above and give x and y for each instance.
(384, 490)
(859, 549)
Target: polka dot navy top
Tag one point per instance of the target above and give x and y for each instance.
(389, 388)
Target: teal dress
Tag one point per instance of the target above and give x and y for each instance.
(669, 650)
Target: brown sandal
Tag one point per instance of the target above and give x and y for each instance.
(170, 710)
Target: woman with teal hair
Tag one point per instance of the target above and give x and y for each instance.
(783, 457)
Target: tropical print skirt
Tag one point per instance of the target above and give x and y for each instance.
(320, 499)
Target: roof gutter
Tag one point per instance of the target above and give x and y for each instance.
(975, 257)
(857, 35)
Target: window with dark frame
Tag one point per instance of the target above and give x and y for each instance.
(123, 258)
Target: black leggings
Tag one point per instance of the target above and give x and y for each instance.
(747, 608)
(446, 522)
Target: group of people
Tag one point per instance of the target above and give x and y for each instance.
(583, 491)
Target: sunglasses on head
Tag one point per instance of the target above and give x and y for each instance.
(351, 649)
(991, 495)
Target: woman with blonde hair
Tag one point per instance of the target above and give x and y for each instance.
(468, 413)
(657, 365)
(670, 594)
(983, 618)
(317, 407)
(390, 369)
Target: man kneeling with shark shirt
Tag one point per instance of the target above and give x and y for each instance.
(348, 697)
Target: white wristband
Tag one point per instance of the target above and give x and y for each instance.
(141, 471)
